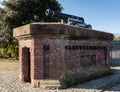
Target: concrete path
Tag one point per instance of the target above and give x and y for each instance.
(9, 83)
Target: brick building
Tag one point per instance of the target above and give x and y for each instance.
(46, 49)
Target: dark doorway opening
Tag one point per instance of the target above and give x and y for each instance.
(46, 62)
(26, 65)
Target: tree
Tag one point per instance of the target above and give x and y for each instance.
(16, 13)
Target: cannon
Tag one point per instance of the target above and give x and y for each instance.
(70, 19)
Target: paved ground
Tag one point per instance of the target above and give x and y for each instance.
(9, 83)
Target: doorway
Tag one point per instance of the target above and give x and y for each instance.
(46, 62)
(26, 64)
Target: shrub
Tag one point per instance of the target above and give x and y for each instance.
(3, 53)
(11, 51)
(77, 76)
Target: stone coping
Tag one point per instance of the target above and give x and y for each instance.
(58, 30)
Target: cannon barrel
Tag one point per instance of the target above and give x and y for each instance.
(63, 16)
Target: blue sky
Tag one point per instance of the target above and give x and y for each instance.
(103, 15)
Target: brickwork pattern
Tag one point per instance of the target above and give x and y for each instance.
(59, 58)
(9, 83)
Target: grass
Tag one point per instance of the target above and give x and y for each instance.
(9, 65)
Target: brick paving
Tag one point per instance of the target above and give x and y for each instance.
(9, 83)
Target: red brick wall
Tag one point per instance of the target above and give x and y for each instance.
(59, 57)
